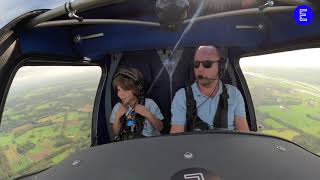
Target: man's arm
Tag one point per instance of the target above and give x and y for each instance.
(241, 124)
(178, 111)
(240, 121)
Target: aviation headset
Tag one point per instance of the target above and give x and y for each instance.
(129, 73)
(223, 65)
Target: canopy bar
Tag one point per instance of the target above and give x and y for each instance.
(275, 9)
(76, 5)
(72, 22)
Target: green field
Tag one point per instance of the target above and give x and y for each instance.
(46, 124)
(287, 104)
(287, 134)
(273, 124)
(295, 116)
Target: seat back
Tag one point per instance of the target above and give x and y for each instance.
(149, 64)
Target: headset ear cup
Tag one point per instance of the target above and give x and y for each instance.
(140, 86)
(222, 68)
(129, 74)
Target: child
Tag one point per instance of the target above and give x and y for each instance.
(131, 117)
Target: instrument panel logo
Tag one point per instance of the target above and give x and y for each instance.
(195, 174)
(303, 15)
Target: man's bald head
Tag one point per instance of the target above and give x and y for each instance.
(207, 52)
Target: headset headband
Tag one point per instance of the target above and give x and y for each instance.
(127, 73)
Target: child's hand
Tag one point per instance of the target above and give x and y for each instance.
(122, 110)
(142, 110)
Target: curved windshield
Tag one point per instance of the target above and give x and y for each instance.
(46, 118)
(155, 89)
(285, 90)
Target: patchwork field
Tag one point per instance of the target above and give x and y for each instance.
(44, 125)
(287, 104)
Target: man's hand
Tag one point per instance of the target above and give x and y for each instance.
(241, 124)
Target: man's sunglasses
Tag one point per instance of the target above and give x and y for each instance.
(206, 63)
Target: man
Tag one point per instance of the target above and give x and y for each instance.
(207, 92)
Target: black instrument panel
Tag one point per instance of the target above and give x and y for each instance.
(212, 156)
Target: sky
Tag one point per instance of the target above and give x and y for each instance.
(10, 9)
(28, 74)
(307, 58)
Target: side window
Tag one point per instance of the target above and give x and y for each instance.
(47, 117)
(285, 88)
